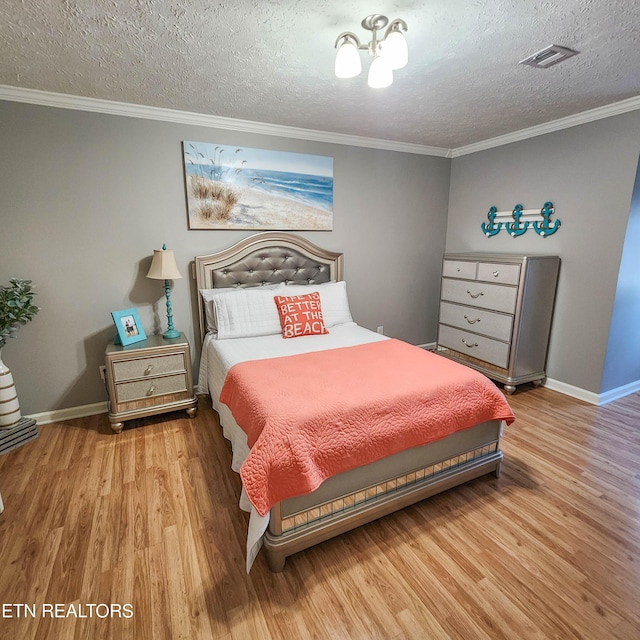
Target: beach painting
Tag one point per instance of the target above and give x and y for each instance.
(231, 187)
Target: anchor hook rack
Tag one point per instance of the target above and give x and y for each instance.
(514, 228)
(545, 228)
(491, 229)
(519, 220)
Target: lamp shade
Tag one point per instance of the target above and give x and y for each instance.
(395, 50)
(163, 265)
(348, 63)
(380, 73)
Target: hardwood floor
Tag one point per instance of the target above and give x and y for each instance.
(149, 519)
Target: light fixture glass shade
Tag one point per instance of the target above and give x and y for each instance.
(395, 50)
(380, 73)
(163, 265)
(348, 63)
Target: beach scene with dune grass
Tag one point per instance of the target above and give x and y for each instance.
(243, 188)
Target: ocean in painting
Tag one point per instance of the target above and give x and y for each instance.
(315, 191)
(243, 188)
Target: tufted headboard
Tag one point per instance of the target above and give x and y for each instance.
(265, 258)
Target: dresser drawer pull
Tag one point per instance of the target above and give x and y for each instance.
(470, 345)
(148, 370)
(151, 390)
(471, 321)
(475, 295)
(496, 274)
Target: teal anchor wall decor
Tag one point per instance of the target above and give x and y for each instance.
(545, 228)
(518, 221)
(514, 228)
(491, 229)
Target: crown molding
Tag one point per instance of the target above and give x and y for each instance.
(64, 101)
(617, 108)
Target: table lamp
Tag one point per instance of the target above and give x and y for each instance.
(163, 267)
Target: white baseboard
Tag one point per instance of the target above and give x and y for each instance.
(620, 392)
(70, 413)
(59, 415)
(577, 392)
(570, 390)
(598, 399)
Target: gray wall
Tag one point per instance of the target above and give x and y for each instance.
(86, 197)
(588, 173)
(622, 364)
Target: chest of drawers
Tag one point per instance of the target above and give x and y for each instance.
(495, 314)
(149, 377)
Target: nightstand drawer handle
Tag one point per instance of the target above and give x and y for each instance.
(471, 321)
(469, 344)
(496, 274)
(475, 295)
(152, 390)
(148, 370)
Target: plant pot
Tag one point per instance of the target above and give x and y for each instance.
(9, 405)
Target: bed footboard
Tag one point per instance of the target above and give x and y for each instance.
(300, 523)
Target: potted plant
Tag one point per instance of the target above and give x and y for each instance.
(16, 308)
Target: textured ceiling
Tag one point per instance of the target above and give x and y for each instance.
(272, 61)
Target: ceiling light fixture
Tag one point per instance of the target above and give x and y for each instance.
(388, 53)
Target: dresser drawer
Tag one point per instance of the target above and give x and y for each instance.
(488, 323)
(489, 298)
(471, 344)
(153, 387)
(146, 367)
(500, 273)
(480, 294)
(459, 269)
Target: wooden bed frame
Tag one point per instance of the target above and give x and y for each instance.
(361, 495)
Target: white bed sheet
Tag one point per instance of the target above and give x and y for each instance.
(218, 356)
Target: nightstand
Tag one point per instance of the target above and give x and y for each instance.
(147, 378)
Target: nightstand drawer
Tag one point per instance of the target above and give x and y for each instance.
(146, 367)
(474, 345)
(153, 387)
(148, 378)
(500, 273)
(459, 269)
(480, 294)
(488, 323)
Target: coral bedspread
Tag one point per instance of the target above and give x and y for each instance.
(310, 416)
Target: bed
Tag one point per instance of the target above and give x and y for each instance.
(246, 363)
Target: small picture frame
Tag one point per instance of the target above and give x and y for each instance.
(129, 327)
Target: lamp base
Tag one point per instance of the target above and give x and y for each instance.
(172, 333)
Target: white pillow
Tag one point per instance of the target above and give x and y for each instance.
(333, 300)
(208, 297)
(245, 313)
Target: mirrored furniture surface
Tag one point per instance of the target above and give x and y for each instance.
(496, 312)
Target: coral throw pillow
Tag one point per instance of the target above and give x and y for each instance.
(300, 315)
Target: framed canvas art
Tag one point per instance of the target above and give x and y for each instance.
(243, 188)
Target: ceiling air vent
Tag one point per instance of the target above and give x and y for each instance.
(548, 56)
